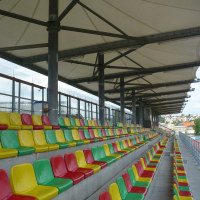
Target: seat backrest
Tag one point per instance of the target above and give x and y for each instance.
(80, 158)
(106, 124)
(88, 156)
(107, 132)
(99, 123)
(117, 131)
(15, 119)
(95, 153)
(106, 149)
(37, 120)
(22, 178)
(133, 141)
(115, 147)
(86, 122)
(124, 144)
(126, 141)
(86, 133)
(122, 187)
(82, 122)
(96, 134)
(67, 121)
(70, 162)
(105, 196)
(25, 138)
(68, 135)
(110, 132)
(6, 191)
(96, 122)
(127, 181)
(75, 135)
(4, 118)
(26, 119)
(114, 192)
(100, 132)
(131, 176)
(135, 172)
(91, 133)
(39, 137)
(43, 171)
(110, 124)
(93, 123)
(111, 148)
(50, 136)
(61, 121)
(118, 146)
(59, 135)
(45, 120)
(101, 152)
(103, 132)
(9, 139)
(58, 166)
(121, 145)
(139, 168)
(81, 134)
(89, 122)
(145, 161)
(77, 121)
(72, 121)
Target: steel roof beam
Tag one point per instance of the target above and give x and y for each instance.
(151, 105)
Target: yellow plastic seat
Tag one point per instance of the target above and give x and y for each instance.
(25, 138)
(15, 121)
(38, 121)
(60, 138)
(93, 123)
(110, 133)
(107, 151)
(146, 168)
(125, 146)
(80, 158)
(23, 182)
(67, 123)
(140, 179)
(39, 139)
(182, 197)
(114, 192)
(76, 136)
(96, 134)
(6, 153)
(77, 121)
(119, 148)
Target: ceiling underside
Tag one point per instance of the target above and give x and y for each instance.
(144, 19)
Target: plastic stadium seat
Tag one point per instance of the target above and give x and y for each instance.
(86, 123)
(107, 151)
(39, 139)
(77, 121)
(80, 158)
(105, 135)
(60, 138)
(143, 173)
(23, 181)
(121, 148)
(25, 138)
(117, 151)
(89, 159)
(44, 176)
(9, 140)
(105, 196)
(92, 125)
(101, 135)
(125, 194)
(84, 135)
(79, 136)
(5, 122)
(38, 121)
(15, 121)
(90, 134)
(83, 124)
(6, 192)
(6, 153)
(46, 122)
(27, 121)
(72, 166)
(68, 137)
(73, 123)
(62, 124)
(96, 135)
(97, 124)
(67, 123)
(123, 144)
(114, 192)
(60, 170)
(113, 152)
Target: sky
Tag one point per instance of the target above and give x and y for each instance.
(6, 67)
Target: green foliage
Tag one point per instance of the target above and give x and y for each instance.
(167, 123)
(176, 123)
(196, 126)
(162, 119)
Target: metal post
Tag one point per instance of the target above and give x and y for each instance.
(85, 110)
(53, 62)
(42, 101)
(13, 96)
(101, 89)
(133, 108)
(32, 99)
(70, 112)
(109, 114)
(122, 99)
(59, 105)
(97, 117)
(140, 113)
(78, 106)
(88, 110)
(91, 112)
(19, 96)
(67, 105)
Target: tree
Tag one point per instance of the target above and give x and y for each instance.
(196, 126)
(162, 119)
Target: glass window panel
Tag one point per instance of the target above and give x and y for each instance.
(5, 86)
(25, 105)
(82, 105)
(5, 103)
(37, 94)
(25, 91)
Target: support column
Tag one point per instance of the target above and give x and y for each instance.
(42, 101)
(122, 99)
(79, 108)
(101, 89)
(13, 96)
(59, 105)
(32, 99)
(133, 108)
(140, 113)
(53, 62)
(19, 98)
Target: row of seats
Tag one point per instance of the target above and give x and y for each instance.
(14, 121)
(25, 142)
(182, 190)
(46, 179)
(135, 183)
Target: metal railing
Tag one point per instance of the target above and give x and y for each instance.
(192, 145)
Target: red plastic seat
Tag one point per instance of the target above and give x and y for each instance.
(5, 190)
(82, 136)
(3, 127)
(89, 159)
(92, 134)
(60, 170)
(27, 120)
(146, 165)
(104, 134)
(133, 189)
(72, 166)
(131, 146)
(142, 172)
(46, 121)
(116, 150)
(105, 196)
(82, 122)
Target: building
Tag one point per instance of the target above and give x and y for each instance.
(190, 130)
(186, 124)
(178, 129)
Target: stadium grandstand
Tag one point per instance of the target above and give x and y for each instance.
(134, 60)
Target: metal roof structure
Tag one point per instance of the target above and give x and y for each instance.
(154, 45)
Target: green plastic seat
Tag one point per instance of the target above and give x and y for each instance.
(68, 137)
(135, 143)
(9, 140)
(107, 133)
(86, 122)
(124, 193)
(87, 135)
(73, 123)
(51, 139)
(62, 124)
(101, 135)
(122, 147)
(137, 183)
(112, 150)
(44, 176)
(103, 154)
(148, 163)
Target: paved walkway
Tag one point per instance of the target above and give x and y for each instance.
(193, 173)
